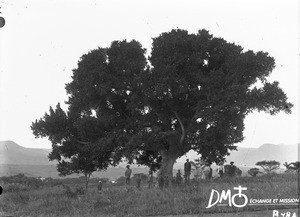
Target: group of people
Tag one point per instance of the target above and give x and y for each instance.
(231, 170)
(128, 173)
(206, 171)
(163, 181)
(187, 173)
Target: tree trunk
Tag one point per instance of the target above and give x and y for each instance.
(176, 149)
(168, 160)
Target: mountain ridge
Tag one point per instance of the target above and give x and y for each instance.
(34, 161)
(12, 153)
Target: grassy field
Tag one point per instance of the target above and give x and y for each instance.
(50, 171)
(60, 200)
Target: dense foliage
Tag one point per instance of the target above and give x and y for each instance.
(193, 93)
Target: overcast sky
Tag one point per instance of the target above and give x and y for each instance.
(42, 42)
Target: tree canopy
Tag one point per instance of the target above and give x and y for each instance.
(192, 93)
(268, 165)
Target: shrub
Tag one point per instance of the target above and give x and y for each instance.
(121, 180)
(20, 182)
(293, 166)
(15, 187)
(253, 172)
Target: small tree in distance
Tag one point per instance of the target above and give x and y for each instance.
(253, 172)
(293, 166)
(268, 166)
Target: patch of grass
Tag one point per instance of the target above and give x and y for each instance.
(130, 201)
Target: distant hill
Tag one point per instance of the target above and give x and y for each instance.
(249, 156)
(12, 153)
(246, 158)
(34, 162)
(16, 159)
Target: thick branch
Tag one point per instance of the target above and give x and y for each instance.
(183, 133)
(81, 142)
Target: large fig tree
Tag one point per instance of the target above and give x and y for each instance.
(100, 120)
(197, 95)
(193, 94)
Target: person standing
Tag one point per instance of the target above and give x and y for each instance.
(128, 175)
(206, 171)
(166, 181)
(99, 186)
(178, 178)
(220, 169)
(160, 181)
(138, 181)
(231, 169)
(150, 179)
(210, 172)
(197, 173)
(187, 170)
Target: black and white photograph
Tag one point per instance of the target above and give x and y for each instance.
(149, 108)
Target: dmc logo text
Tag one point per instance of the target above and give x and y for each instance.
(227, 196)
